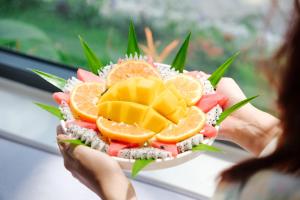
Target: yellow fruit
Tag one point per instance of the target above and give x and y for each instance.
(123, 132)
(145, 92)
(178, 114)
(122, 111)
(186, 128)
(188, 87)
(84, 98)
(131, 68)
(154, 121)
(165, 103)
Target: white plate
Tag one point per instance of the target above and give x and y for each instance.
(127, 164)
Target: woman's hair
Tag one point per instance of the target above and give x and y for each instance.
(286, 158)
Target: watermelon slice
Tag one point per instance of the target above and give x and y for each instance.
(87, 76)
(115, 147)
(166, 146)
(59, 97)
(197, 74)
(84, 124)
(207, 102)
(209, 131)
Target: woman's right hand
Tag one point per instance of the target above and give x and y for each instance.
(248, 127)
(96, 170)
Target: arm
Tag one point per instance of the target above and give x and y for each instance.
(96, 170)
(248, 127)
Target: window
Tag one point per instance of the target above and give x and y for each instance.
(49, 29)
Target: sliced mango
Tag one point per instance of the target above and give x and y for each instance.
(133, 113)
(145, 91)
(178, 114)
(126, 90)
(165, 103)
(154, 121)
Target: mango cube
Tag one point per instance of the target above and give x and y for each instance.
(127, 90)
(154, 121)
(165, 103)
(133, 113)
(178, 114)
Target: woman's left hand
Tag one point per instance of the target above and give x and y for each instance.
(96, 170)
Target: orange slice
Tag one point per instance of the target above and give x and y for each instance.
(131, 68)
(84, 99)
(186, 128)
(123, 132)
(190, 89)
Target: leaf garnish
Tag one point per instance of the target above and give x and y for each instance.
(51, 109)
(216, 76)
(233, 108)
(138, 165)
(74, 141)
(94, 62)
(54, 80)
(132, 47)
(205, 147)
(179, 61)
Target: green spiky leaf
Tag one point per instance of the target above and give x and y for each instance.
(205, 147)
(180, 58)
(94, 62)
(132, 46)
(75, 142)
(54, 80)
(139, 165)
(216, 76)
(51, 109)
(233, 108)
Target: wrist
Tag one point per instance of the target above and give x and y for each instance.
(114, 184)
(251, 128)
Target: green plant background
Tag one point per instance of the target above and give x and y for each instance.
(50, 29)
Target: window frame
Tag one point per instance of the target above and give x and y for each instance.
(16, 66)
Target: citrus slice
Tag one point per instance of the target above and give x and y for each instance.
(84, 99)
(188, 87)
(186, 128)
(123, 132)
(131, 68)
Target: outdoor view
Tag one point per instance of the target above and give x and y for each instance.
(50, 30)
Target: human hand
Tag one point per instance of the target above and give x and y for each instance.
(96, 170)
(248, 127)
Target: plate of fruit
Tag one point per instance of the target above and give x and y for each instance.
(145, 115)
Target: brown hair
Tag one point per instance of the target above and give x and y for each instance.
(286, 157)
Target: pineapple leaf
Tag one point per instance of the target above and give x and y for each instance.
(94, 62)
(233, 108)
(216, 76)
(139, 165)
(205, 147)
(75, 142)
(180, 58)
(132, 47)
(54, 80)
(51, 109)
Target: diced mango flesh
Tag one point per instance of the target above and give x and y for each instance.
(144, 102)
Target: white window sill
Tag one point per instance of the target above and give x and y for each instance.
(24, 120)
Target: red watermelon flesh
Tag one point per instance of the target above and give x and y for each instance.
(209, 131)
(87, 76)
(166, 146)
(115, 147)
(59, 97)
(207, 102)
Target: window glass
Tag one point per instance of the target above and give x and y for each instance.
(50, 29)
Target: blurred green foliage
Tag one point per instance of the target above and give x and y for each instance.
(50, 29)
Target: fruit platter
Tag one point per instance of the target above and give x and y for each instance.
(145, 115)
